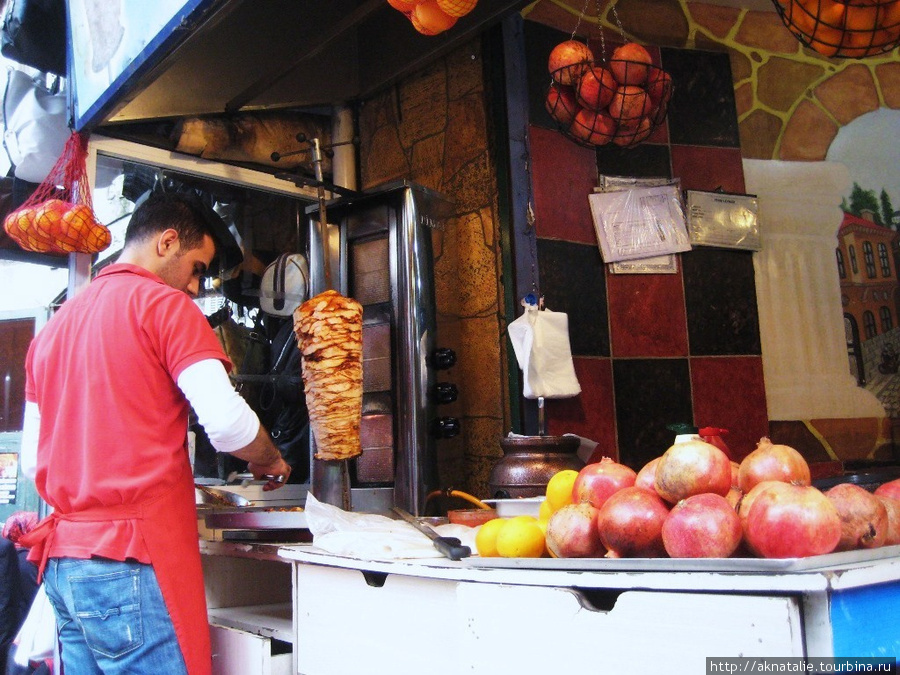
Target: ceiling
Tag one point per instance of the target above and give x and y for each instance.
(248, 54)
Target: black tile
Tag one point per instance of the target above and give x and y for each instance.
(539, 42)
(643, 161)
(573, 281)
(650, 394)
(720, 298)
(703, 110)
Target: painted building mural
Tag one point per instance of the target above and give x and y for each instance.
(867, 252)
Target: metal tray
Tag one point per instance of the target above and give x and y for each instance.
(761, 565)
(255, 518)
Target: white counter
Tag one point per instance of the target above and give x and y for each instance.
(342, 615)
(638, 616)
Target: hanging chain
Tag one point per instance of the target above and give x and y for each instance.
(580, 17)
(615, 18)
(530, 220)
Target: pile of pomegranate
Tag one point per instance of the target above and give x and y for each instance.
(694, 502)
(621, 101)
(431, 17)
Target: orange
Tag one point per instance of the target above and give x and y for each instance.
(429, 19)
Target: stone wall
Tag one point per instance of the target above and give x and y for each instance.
(791, 101)
(433, 129)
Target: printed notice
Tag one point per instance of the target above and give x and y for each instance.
(9, 473)
(640, 223)
(724, 220)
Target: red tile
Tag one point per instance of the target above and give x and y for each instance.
(729, 392)
(708, 168)
(646, 315)
(590, 414)
(563, 174)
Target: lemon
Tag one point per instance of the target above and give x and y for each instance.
(559, 488)
(521, 537)
(545, 511)
(486, 538)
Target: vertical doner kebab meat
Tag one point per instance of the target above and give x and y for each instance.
(329, 335)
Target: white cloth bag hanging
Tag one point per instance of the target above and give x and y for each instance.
(540, 339)
(36, 126)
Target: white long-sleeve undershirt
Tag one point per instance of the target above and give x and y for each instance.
(229, 422)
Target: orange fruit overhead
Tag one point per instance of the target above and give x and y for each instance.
(404, 6)
(457, 8)
(429, 19)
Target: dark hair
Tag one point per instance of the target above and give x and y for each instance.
(181, 212)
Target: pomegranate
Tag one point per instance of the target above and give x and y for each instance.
(734, 473)
(658, 85)
(734, 497)
(892, 506)
(572, 532)
(773, 462)
(889, 489)
(596, 88)
(792, 521)
(593, 128)
(598, 481)
(646, 477)
(702, 526)
(658, 114)
(692, 468)
(630, 524)
(568, 60)
(746, 500)
(630, 63)
(628, 105)
(864, 519)
(561, 104)
(631, 135)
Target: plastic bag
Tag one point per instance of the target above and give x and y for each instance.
(58, 217)
(540, 339)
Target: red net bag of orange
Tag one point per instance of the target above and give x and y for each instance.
(59, 217)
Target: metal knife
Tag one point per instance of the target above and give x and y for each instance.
(451, 547)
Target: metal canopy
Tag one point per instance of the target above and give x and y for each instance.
(250, 55)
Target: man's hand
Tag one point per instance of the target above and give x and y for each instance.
(264, 461)
(275, 474)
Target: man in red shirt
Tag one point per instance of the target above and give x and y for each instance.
(110, 382)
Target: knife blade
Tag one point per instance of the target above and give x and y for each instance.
(451, 547)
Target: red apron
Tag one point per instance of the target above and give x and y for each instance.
(168, 523)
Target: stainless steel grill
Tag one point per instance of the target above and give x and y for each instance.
(380, 253)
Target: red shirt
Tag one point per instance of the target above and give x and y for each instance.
(103, 372)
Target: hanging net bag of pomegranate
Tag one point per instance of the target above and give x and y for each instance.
(59, 217)
(853, 29)
(597, 100)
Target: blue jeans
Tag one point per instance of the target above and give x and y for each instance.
(111, 618)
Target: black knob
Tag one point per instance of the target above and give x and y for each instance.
(446, 427)
(443, 358)
(445, 392)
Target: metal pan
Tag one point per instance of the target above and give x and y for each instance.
(221, 498)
